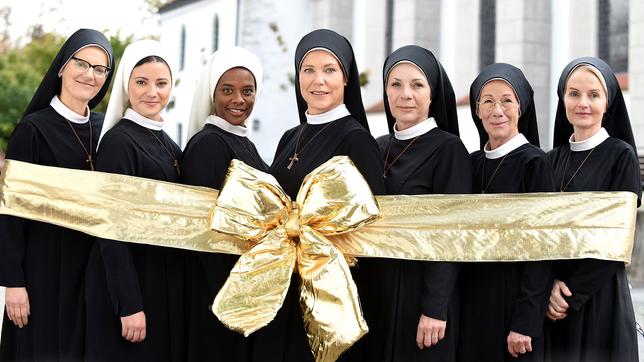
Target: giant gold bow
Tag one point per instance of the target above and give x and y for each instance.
(333, 199)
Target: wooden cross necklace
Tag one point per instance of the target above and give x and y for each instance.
(88, 154)
(295, 153)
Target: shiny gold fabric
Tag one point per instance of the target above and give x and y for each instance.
(256, 219)
(333, 199)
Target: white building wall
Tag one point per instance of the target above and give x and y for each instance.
(636, 71)
(198, 19)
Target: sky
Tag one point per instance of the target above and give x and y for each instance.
(66, 16)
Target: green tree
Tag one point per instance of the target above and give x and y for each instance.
(23, 67)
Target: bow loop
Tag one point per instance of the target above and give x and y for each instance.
(334, 198)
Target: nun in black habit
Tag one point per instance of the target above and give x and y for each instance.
(590, 306)
(41, 265)
(503, 303)
(135, 292)
(422, 155)
(222, 103)
(332, 122)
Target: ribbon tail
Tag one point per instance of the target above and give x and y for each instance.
(328, 297)
(257, 285)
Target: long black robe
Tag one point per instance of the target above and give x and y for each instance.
(285, 338)
(48, 260)
(501, 297)
(437, 163)
(600, 325)
(123, 278)
(205, 161)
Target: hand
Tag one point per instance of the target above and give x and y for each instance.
(429, 331)
(558, 307)
(519, 344)
(133, 327)
(17, 302)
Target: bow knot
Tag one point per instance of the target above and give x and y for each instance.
(333, 199)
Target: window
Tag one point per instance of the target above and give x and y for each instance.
(215, 33)
(182, 49)
(612, 42)
(487, 34)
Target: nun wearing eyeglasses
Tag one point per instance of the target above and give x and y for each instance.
(42, 266)
(590, 304)
(222, 104)
(503, 303)
(422, 155)
(135, 292)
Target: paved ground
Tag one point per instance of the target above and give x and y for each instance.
(638, 304)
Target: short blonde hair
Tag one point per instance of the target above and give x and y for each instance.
(594, 71)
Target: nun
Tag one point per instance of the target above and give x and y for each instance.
(594, 151)
(43, 266)
(422, 155)
(503, 303)
(222, 104)
(332, 122)
(135, 292)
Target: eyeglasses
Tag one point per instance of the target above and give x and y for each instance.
(487, 105)
(83, 65)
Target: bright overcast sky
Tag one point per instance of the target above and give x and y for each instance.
(66, 16)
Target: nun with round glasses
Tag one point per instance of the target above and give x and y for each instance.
(503, 303)
(43, 266)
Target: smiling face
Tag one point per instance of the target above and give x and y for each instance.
(585, 101)
(79, 87)
(408, 94)
(498, 109)
(234, 96)
(321, 82)
(149, 89)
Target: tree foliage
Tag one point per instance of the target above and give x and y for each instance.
(22, 69)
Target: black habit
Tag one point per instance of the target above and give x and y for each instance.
(600, 322)
(436, 163)
(496, 297)
(284, 338)
(124, 278)
(205, 161)
(49, 261)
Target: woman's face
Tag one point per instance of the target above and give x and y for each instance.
(149, 89)
(321, 82)
(408, 94)
(234, 96)
(81, 83)
(498, 109)
(585, 100)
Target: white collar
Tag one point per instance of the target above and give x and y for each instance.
(225, 126)
(330, 116)
(416, 130)
(509, 146)
(133, 116)
(587, 144)
(67, 113)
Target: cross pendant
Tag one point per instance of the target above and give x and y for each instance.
(293, 160)
(91, 163)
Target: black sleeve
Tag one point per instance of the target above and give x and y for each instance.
(205, 162)
(117, 154)
(537, 276)
(452, 175)
(365, 154)
(590, 275)
(23, 146)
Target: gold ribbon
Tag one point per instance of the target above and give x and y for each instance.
(333, 199)
(491, 227)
